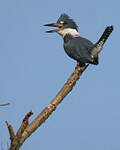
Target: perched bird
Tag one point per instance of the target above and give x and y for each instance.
(77, 47)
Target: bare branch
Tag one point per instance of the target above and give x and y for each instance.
(4, 104)
(52, 106)
(11, 131)
(15, 139)
(23, 125)
(26, 129)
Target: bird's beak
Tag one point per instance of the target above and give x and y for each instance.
(54, 25)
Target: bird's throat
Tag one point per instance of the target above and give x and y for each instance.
(72, 32)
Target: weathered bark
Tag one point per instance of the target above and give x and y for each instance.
(27, 129)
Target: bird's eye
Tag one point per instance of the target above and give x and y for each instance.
(62, 22)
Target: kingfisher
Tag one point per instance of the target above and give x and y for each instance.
(77, 47)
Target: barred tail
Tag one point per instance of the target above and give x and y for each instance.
(106, 34)
(102, 40)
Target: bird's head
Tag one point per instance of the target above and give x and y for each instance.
(65, 25)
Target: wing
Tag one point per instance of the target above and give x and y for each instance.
(79, 49)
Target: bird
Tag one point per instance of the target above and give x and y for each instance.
(77, 47)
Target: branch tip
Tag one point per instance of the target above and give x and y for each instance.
(29, 114)
(5, 104)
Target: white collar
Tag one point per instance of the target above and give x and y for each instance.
(70, 31)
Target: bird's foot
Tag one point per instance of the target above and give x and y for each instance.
(79, 64)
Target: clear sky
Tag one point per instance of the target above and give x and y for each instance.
(34, 66)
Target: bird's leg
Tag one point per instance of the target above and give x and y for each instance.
(79, 64)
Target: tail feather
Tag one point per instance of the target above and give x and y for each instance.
(102, 40)
(106, 34)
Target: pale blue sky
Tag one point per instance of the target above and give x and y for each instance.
(34, 66)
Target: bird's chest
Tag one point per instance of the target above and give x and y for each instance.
(68, 47)
(67, 43)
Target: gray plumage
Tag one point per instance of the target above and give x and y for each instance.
(80, 49)
(83, 50)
